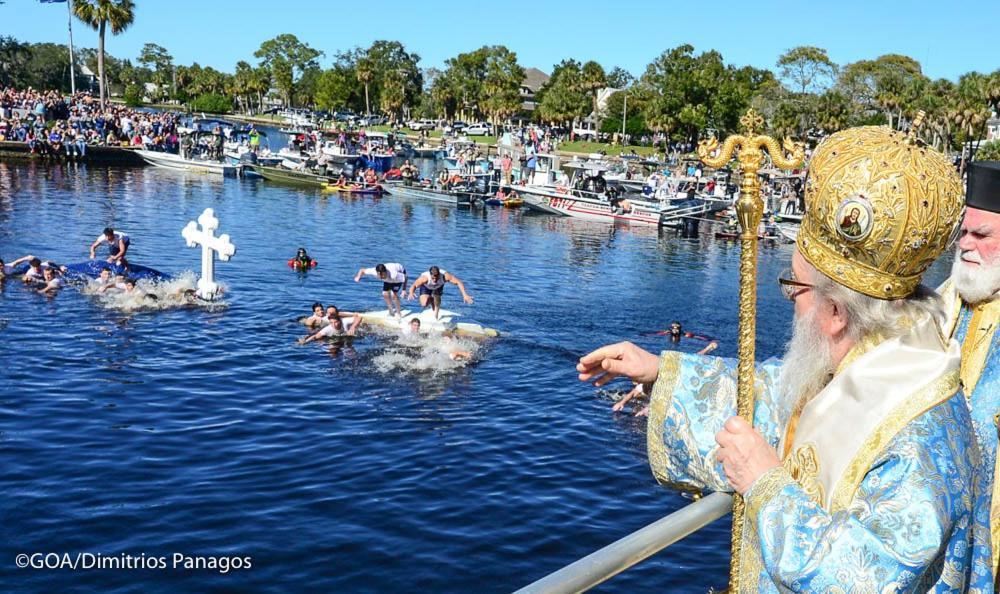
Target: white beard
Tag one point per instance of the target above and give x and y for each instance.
(975, 282)
(806, 367)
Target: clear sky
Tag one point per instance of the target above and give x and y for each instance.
(948, 37)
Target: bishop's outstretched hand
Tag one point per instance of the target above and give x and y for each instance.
(622, 359)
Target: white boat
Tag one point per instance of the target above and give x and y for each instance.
(789, 231)
(590, 207)
(585, 197)
(337, 153)
(445, 322)
(174, 161)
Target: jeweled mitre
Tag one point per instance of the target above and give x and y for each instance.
(879, 210)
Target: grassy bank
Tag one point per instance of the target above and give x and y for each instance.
(436, 134)
(585, 146)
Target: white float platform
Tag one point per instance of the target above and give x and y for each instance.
(429, 323)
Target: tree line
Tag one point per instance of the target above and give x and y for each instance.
(681, 93)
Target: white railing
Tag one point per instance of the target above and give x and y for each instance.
(602, 565)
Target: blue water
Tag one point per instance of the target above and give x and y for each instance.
(210, 432)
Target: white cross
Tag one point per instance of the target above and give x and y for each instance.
(210, 244)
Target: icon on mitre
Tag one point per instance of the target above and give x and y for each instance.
(854, 218)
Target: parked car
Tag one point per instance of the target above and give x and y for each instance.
(455, 128)
(372, 120)
(480, 129)
(422, 125)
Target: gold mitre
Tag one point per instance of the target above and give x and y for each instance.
(879, 210)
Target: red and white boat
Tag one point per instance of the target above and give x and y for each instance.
(586, 196)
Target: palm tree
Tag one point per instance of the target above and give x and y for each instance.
(592, 80)
(970, 119)
(365, 72)
(993, 92)
(99, 15)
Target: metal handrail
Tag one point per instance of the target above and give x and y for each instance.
(602, 565)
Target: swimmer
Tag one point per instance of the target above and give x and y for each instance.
(455, 354)
(129, 286)
(116, 284)
(36, 268)
(104, 280)
(8, 269)
(335, 329)
(52, 280)
(676, 333)
(637, 391)
(412, 328)
(318, 317)
(431, 286)
(393, 277)
(640, 390)
(302, 260)
(117, 243)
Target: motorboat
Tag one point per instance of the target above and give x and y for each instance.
(376, 152)
(456, 197)
(589, 196)
(293, 177)
(337, 152)
(237, 149)
(199, 165)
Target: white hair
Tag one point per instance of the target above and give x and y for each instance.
(868, 316)
(808, 364)
(979, 279)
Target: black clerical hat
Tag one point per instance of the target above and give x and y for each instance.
(982, 190)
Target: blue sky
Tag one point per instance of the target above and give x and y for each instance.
(949, 38)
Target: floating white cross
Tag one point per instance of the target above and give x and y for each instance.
(210, 244)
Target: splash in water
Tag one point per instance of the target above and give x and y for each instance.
(426, 353)
(150, 295)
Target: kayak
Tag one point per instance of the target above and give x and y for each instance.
(354, 190)
(428, 323)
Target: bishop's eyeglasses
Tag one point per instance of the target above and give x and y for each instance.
(790, 287)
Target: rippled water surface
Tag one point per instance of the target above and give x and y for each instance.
(210, 432)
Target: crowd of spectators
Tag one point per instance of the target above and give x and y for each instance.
(54, 124)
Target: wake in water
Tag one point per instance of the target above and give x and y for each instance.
(150, 295)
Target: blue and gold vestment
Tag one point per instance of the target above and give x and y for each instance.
(877, 490)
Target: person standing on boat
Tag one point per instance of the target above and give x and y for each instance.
(431, 284)
(530, 164)
(254, 136)
(972, 303)
(408, 172)
(863, 427)
(393, 277)
(506, 166)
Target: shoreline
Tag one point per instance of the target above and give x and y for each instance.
(97, 155)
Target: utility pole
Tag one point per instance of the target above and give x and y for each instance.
(624, 111)
(72, 68)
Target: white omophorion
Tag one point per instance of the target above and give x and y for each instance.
(210, 245)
